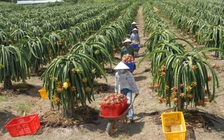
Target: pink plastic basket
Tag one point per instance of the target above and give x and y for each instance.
(23, 125)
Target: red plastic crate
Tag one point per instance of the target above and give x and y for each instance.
(23, 125)
(113, 110)
(125, 105)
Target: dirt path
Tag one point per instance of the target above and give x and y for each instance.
(145, 106)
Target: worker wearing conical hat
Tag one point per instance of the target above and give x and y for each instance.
(135, 36)
(125, 84)
(127, 48)
(133, 25)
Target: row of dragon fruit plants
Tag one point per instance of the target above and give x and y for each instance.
(29, 41)
(182, 77)
(78, 79)
(87, 43)
(202, 20)
(69, 79)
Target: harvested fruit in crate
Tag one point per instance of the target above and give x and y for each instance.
(113, 105)
(113, 99)
(127, 58)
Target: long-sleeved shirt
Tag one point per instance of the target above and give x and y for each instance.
(127, 50)
(125, 80)
(135, 37)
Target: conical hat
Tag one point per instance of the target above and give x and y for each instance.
(121, 66)
(127, 40)
(135, 29)
(133, 23)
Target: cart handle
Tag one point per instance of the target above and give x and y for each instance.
(132, 102)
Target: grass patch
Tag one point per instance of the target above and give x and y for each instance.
(141, 128)
(83, 131)
(2, 98)
(6, 3)
(124, 136)
(24, 107)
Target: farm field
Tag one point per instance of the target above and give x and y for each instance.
(53, 39)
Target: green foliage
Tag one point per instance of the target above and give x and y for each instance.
(76, 47)
(2, 98)
(201, 20)
(14, 64)
(24, 107)
(9, 1)
(69, 79)
(182, 77)
(191, 71)
(41, 40)
(157, 36)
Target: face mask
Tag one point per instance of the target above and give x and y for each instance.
(121, 71)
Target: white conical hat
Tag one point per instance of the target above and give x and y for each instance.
(127, 40)
(121, 66)
(135, 29)
(133, 23)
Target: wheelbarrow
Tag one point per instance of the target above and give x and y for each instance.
(113, 120)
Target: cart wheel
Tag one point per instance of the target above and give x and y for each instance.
(111, 127)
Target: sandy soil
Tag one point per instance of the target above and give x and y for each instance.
(146, 127)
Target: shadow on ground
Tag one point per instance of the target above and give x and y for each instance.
(21, 88)
(103, 88)
(208, 121)
(140, 55)
(110, 71)
(5, 117)
(140, 78)
(193, 119)
(128, 128)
